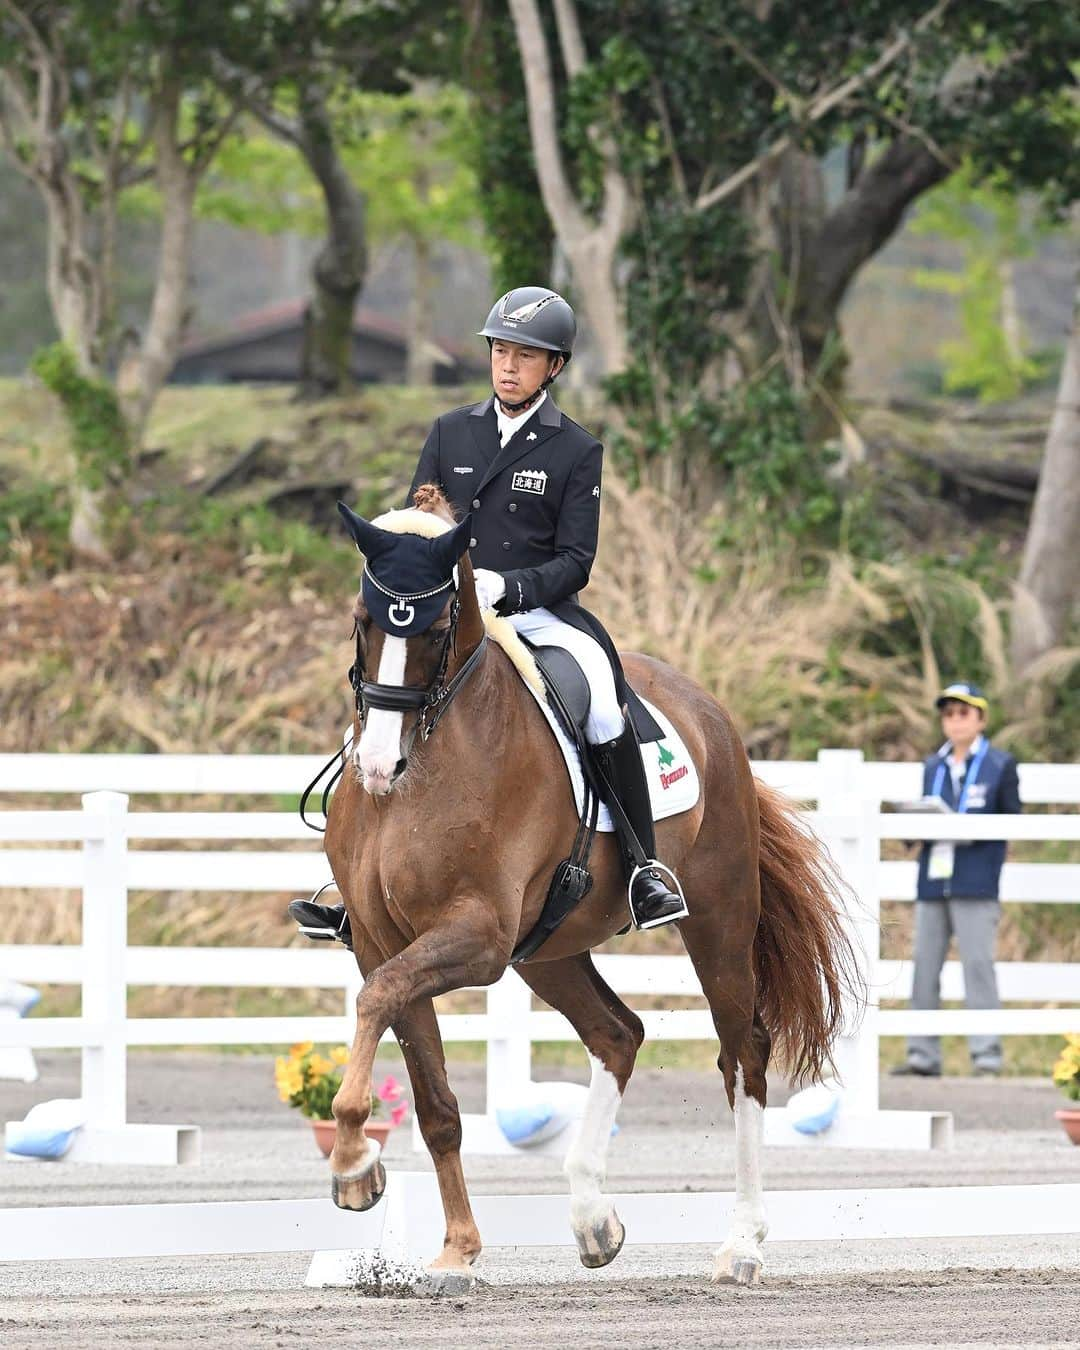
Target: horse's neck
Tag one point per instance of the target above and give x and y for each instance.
(484, 722)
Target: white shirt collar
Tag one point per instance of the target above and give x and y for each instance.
(976, 745)
(510, 426)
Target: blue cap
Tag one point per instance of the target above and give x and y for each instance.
(408, 578)
(963, 692)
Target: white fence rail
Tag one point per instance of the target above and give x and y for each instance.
(110, 863)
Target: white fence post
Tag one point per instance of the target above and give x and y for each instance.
(104, 952)
(845, 792)
(509, 1048)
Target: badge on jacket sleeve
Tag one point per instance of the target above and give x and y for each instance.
(530, 480)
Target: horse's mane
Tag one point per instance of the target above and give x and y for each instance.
(431, 516)
(430, 497)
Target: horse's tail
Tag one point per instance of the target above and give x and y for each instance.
(806, 965)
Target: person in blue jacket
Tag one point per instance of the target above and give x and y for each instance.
(958, 883)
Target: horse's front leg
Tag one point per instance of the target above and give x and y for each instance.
(417, 1031)
(464, 952)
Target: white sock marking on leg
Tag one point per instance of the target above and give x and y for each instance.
(586, 1159)
(749, 1143)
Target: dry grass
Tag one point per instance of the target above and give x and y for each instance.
(831, 654)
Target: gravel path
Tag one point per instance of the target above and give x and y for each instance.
(675, 1133)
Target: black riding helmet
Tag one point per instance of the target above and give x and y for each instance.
(534, 317)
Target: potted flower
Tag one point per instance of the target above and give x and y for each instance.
(310, 1081)
(1066, 1075)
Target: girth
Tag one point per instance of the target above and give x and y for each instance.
(568, 696)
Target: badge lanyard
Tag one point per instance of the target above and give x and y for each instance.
(942, 853)
(972, 775)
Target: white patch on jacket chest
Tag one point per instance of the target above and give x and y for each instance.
(379, 749)
(530, 480)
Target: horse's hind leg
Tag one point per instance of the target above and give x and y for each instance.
(612, 1035)
(728, 983)
(417, 1031)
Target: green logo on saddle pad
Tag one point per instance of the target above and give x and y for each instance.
(666, 759)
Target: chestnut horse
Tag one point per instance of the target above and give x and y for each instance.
(443, 847)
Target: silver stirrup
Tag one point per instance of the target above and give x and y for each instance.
(668, 918)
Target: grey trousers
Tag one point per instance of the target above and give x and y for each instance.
(975, 924)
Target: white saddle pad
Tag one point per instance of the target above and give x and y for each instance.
(669, 770)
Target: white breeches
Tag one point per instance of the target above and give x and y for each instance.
(543, 629)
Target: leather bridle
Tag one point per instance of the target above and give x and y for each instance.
(429, 701)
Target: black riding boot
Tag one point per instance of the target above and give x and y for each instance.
(322, 923)
(622, 775)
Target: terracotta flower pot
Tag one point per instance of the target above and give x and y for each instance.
(326, 1132)
(1070, 1119)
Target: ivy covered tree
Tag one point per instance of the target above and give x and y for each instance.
(95, 100)
(680, 149)
(100, 99)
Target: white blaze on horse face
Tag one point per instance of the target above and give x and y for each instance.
(377, 754)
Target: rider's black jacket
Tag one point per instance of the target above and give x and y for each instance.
(535, 507)
(535, 504)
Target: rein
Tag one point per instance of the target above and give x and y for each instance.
(429, 702)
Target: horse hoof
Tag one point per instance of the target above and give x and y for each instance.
(600, 1243)
(360, 1191)
(746, 1271)
(438, 1282)
(735, 1267)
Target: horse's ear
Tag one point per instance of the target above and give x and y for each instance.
(450, 546)
(368, 538)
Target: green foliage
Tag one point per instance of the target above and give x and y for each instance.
(412, 166)
(403, 151)
(990, 224)
(37, 513)
(517, 229)
(754, 440)
(100, 440)
(283, 551)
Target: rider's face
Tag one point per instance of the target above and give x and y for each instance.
(517, 371)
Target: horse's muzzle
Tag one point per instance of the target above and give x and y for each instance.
(381, 785)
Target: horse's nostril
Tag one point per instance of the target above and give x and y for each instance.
(400, 767)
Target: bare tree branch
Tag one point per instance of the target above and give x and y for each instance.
(820, 106)
(571, 43)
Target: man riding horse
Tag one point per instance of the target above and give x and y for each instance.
(529, 477)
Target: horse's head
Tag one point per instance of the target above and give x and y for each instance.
(417, 623)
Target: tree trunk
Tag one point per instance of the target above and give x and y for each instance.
(1049, 575)
(420, 366)
(341, 265)
(177, 182)
(591, 246)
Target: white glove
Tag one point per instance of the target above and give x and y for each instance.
(490, 588)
